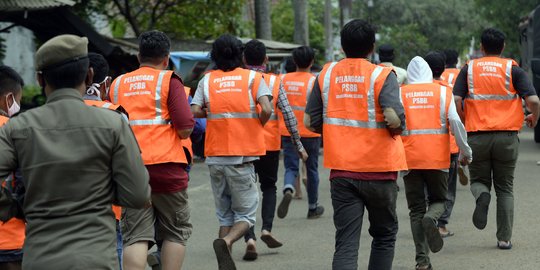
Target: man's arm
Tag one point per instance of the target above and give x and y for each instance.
(290, 121)
(390, 102)
(198, 102)
(179, 111)
(460, 134)
(525, 89)
(533, 106)
(313, 116)
(460, 91)
(128, 170)
(264, 96)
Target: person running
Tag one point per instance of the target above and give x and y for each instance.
(228, 98)
(492, 89)
(11, 232)
(298, 86)
(162, 122)
(431, 113)
(267, 166)
(77, 160)
(436, 62)
(361, 146)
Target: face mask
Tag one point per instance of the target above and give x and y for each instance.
(14, 108)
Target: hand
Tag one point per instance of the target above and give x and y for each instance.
(148, 204)
(391, 118)
(530, 121)
(303, 155)
(464, 161)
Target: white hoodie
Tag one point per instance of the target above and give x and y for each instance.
(418, 72)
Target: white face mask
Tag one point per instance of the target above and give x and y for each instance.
(14, 108)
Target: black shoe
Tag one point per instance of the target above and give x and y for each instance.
(283, 207)
(433, 237)
(315, 213)
(479, 217)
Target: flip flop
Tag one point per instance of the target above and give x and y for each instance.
(504, 245)
(447, 234)
(270, 241)
(251, 253)
(225, 261)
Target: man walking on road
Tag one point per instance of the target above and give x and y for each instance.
(77, 160)
(298, 86)
(267, 166)
(431, 113)
(356, 106)
(492, 88)
(228, 98)
(160, 117)
(386, 55)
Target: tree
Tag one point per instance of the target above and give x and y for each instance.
(328, 31)
(263, 23)
(345, 8)
(301, 27)
(183, 19)
(505, 15)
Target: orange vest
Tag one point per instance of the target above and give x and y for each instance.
(298, 86)
(101, 104)
(426, 132)
(454, 148)
(449, 75)
(492, 102)
(354, 131)
(143, 93)
(272, 137)
(187, 143)
(233, 127)
(12, 232)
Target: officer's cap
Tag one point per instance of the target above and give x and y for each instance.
(61, 50)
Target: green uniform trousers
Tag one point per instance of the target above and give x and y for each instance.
(494, 161)
(417, 183)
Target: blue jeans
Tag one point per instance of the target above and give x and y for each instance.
(119, 245)
(291, 160)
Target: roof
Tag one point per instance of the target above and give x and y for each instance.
(14, 5)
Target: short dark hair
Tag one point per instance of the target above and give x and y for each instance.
(154, 46)
(451, 57)
(386, 53)
(10, 80)
(493, 41)
(436, 61)
(290, 66)
(303, 56)
(69, 75)
(227, 52)
(357, 38)
(100, 66)
(254, 53)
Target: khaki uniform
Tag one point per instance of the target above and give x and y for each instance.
(76, 160)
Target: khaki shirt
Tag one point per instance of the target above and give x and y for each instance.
(400, 72)
(76, 160)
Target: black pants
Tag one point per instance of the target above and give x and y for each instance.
(267, 170)
(349, 198)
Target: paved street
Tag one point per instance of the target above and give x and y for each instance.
(308, 244)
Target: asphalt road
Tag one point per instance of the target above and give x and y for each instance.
(309, 244)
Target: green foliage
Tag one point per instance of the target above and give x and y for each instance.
(29, 98)
(283, 24)
(505, 15)
(411, 42)
(414, 27)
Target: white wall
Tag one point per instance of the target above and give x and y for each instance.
(20, 51)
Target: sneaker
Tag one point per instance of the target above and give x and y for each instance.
(283, 207)
(504, 244)
(433, 237)
(315, 213)
(480, 212)
(463, 177)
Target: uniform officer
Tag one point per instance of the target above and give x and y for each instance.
(76, 160)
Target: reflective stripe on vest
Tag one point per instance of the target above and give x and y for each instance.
(450, 78)
(508, 96)
(116, 89)
(158, 120)
(106, 105)
(252, 106)
(444, 127)
(273, 116)
(371, 123)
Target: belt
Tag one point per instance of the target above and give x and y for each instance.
(510, 132)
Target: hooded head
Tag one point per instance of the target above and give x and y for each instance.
(418, 71)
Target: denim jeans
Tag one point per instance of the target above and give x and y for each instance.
(451, 195)
(267, 170)
(119, 244)
(291, 161)
(349, 198)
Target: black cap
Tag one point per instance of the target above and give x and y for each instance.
(386, 49)
(436, 61)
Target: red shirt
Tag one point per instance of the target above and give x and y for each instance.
(364, 176)
(172, 177)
